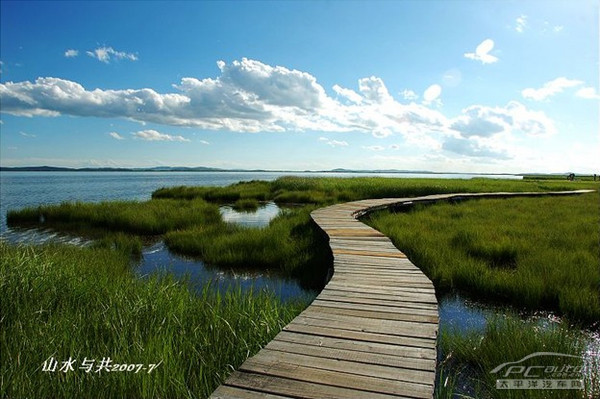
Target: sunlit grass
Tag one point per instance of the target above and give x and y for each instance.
(538, 253)
(66, 302)
(146, 218)
(323, 190)
(291, 244)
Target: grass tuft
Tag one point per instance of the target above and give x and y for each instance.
(86, 303)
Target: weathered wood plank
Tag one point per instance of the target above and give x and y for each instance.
(333, 376)
(357, 346)
(297, 388)
(352, 355)
(230, 392)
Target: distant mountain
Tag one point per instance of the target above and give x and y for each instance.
(209, 169)
(154, 169)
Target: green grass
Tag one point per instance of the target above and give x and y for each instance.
(85, 302)
(471, 357)
(291, 244)
(246, 204)
(255, 189)
(324, 190)
(537, 253)
(145, 218)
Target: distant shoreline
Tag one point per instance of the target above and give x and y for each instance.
(208, 169)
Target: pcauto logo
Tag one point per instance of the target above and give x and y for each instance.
(541, 370)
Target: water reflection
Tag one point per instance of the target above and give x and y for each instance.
(157, 258)
(459, 314)
(21, 235)
(255, 218)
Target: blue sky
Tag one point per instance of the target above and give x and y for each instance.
(465, 86)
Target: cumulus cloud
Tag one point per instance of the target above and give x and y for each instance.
(550, 88)
(116, 136)
(333, 143)
(106, 54)
(432, 94)
(474, 148)
(409, 95)
(153, 135)
(70, 53)
(482, 52)
(348, 94)
(373, 90)
(204, 142)
(250, 96)
(588, 93)
(521, 23)
(483, 121)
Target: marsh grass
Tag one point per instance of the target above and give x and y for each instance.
(536, 253)
(291, 244)
(471, 357)
(246, 205)
(63, 301)
(325, 190)
(145, 218)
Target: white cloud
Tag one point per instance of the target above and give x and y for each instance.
(521, 23)
(589, 93)
(409, 95)
(204, 142)
(482, 121)
(333, 143)
(550, 88)
(373, 89)
(153, 135)
(105, 54)
(432, 94)
(250, 96)
(70, 53)
(116, 135)
(473, 147)
(558, 28)
(394, 146)
(482, 52)
(348, 94)
(374, 148)
(29, 135)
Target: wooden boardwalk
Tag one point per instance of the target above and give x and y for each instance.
(370, 334)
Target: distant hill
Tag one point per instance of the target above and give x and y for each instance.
(154, 169)
(210, 169)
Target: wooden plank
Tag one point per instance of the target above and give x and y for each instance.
(422, 334)
(346, 366)
(328, 296)
(398, 309)
(357, 346)
(375, 286)
(352, 355)
(362, 252)
(361, 335)
(373, 294)
(338, 378)
(297, 388)
(229, 392)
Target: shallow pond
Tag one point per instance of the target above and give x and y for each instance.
(255, 218)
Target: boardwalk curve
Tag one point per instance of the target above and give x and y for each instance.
(371, 332)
